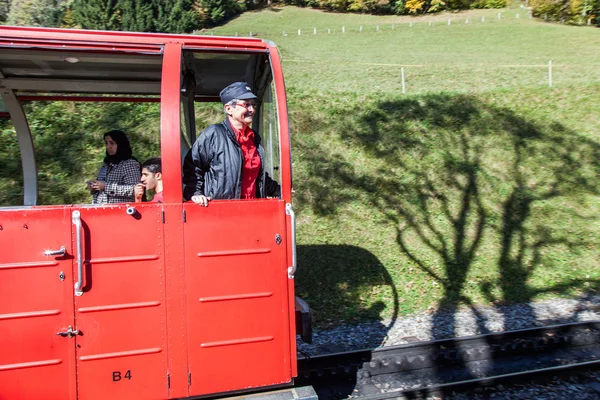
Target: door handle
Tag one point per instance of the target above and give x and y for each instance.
(69, 332)
(60, 252)
(77, 222)
(289, 211)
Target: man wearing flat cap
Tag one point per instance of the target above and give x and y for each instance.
(227, 159)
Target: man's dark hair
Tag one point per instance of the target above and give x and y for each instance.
(153, 165)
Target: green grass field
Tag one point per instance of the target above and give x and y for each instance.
(506, 53)
(477, 186)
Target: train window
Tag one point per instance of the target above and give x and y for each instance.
(269, 131)
(205, 74)
(56, 111)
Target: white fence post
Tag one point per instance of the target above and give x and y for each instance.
(499, 16)
(360, 29)
(343, 29)
(483, 18)
(299, 32)
(392, 26)
(402, 73)
(329, 30)
(550, 73)
(467, 21)
(314, 31)
(448, 22)
(411, 24)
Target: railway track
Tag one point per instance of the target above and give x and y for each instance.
(443, 366)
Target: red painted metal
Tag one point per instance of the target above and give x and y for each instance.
(176, 301)
(35, 304)
(170, 122)
(237, 312)
(119, 41)
(284, 129)
(170, 127)
(179, 300)
(122, 348)
(286, 186)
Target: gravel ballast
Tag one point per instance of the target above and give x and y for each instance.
(443, 324)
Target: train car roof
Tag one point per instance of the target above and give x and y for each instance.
(52, 60)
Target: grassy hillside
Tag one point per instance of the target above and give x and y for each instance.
(479, 185)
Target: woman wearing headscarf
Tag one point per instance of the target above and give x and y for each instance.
(119, 173)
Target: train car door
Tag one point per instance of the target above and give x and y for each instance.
(235, 255)
(120, 309)
(37, 355)
(236, 295)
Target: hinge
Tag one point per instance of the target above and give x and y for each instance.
(163, 216)
(189, 379)
(168, 381)
(184, 216)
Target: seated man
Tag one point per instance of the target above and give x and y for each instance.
(227, 160)
(151, 180)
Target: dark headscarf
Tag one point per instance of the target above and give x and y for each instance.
(123, 147)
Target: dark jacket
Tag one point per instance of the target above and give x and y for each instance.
(213, 166)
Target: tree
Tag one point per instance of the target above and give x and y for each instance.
(213, 12)
(4, 9)
(177, 16)
(136, 15)
(97, 14)
(36, 12)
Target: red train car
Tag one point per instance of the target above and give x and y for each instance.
(146, 300)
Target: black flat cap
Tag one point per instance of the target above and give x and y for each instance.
(237, 90)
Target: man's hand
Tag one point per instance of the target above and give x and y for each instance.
(201, 200)
(138, 192)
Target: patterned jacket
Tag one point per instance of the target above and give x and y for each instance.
(119, 179)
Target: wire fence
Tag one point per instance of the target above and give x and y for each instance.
(423, 78)
(330, 70)
(376, 27)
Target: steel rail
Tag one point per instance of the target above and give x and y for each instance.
(447, 388)
(436, 366)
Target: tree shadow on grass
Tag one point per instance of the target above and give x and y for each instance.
(334, 279)
(460, 178)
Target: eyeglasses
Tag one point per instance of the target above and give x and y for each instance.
(247, 104)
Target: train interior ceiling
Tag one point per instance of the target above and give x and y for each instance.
(131, 76)
(69, 72)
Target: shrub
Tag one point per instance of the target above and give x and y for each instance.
(489, 4)
(414, 6)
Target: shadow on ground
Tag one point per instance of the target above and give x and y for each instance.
(461, 179)
(325, 276)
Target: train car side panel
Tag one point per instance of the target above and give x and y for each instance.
(122, 347)
(235, 266)
(36, 303)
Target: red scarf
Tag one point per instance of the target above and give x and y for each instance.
(251, 167)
